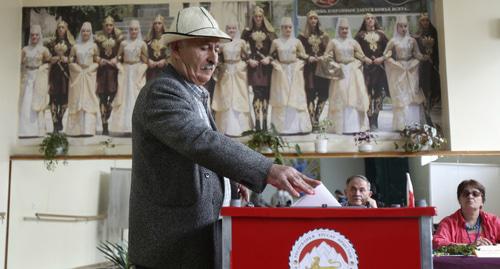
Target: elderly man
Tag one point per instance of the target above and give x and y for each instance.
(358, 192)
(180, 160)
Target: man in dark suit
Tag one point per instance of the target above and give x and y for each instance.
(180, 160)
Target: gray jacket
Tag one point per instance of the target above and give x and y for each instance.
(177, 168)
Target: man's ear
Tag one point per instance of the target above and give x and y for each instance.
(370, 194)
(174, 48)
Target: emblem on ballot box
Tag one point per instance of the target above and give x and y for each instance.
(323, 249)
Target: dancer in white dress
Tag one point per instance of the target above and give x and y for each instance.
(34, 97)
(288, 98)
(83, 104)
(231, 101)
(131, 78)
(401, 67)
(348, 99)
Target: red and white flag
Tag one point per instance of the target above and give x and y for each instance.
(410, 196)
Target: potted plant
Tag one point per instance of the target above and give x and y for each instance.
(321, 142)
(53, 145)
(107, 145)
(116, 253)
(417, 137)
(265, 141)
(364, 141)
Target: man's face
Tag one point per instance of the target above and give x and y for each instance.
(61, 31)
(258, 20)
(370, 22)
(357, 192)
(425, 23)
(313, 21)
(198, 58)
(109, 27)
(158, 26)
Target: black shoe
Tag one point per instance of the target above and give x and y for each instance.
(105, 130)
(257, 125)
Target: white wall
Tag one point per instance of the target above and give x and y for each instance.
(335, 171)
(444, 180)
(78, 188)
(419, 178)
(10, 18)
(471, 39)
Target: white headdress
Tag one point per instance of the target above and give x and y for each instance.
(287, 21)
(134, 23)
(35, 28)
(343, 22)
(400, 19)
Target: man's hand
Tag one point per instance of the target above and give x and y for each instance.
(372, 202)
(288, 179)
(244, 193)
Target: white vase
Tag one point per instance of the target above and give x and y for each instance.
(321, 145)
(365, 148)
(265, 149)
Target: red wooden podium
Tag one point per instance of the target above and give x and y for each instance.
(331, 238)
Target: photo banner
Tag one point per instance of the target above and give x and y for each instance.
(356, 7)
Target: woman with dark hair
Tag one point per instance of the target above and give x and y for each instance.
(259, 36)
(373, 41)
(157, 51)
(60, 47)
(427, 40)
(314, 41)
(470, 224)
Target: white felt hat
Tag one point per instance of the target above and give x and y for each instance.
(194, 22)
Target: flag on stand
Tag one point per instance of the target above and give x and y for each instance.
(410, 196)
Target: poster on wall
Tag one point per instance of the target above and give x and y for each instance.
(82, 67)
(300, 67)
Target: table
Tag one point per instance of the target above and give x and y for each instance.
(465, 262)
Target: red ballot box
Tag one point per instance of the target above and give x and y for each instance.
(327, 238)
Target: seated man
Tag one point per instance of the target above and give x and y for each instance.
(358, 192)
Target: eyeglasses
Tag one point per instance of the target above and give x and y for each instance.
(474, 193)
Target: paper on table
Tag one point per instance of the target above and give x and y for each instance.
(322, 196)
(492, 251)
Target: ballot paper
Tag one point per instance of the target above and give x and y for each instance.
(492, 251)
(321, 197)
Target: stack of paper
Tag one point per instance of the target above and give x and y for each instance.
(321, 197)
(488, 251)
